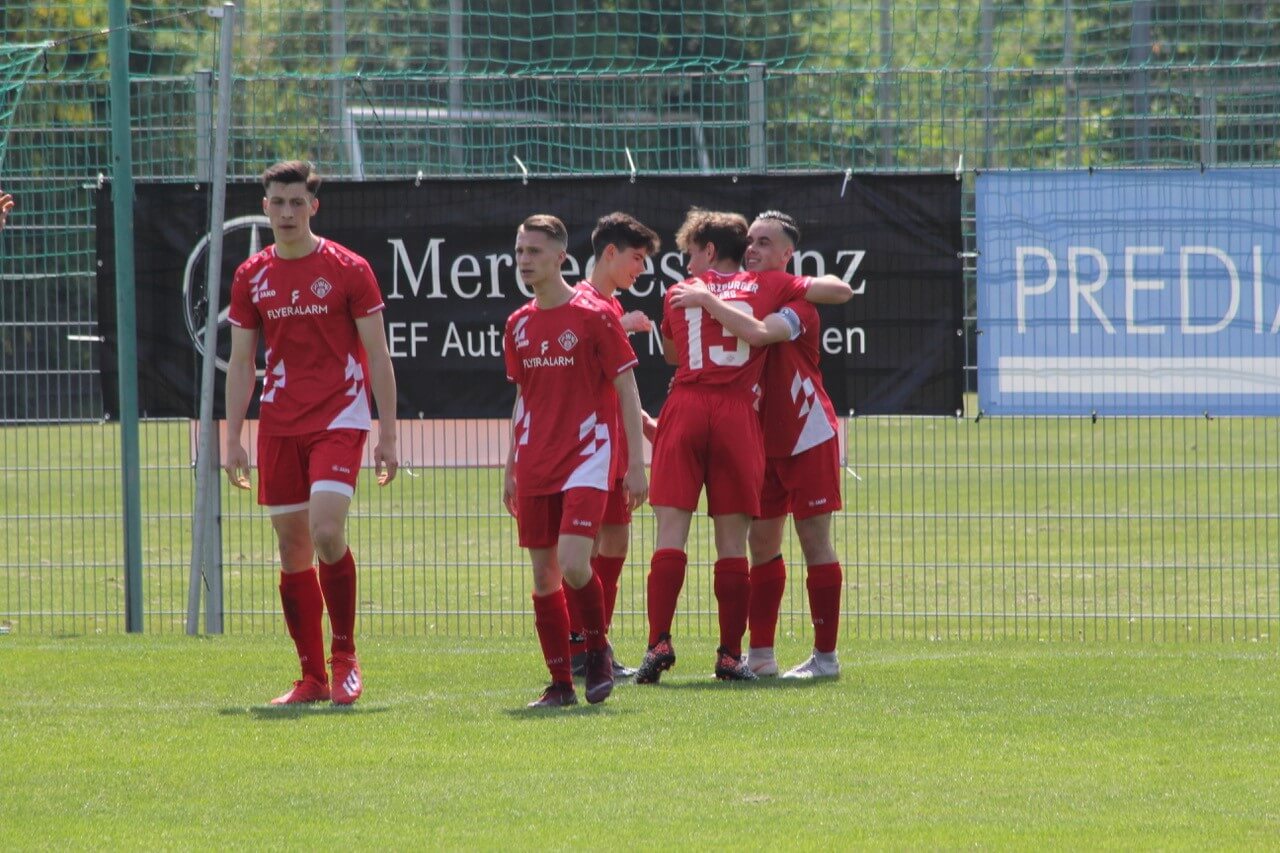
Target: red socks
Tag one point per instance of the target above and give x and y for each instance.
(666, 578)
(577, 634)
(589, 601)
(338, 581)
(825, 583)
(303, 606)
(768, 582)
(733, 592)
(551, 618)
(608, 569)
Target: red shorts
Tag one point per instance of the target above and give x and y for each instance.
(708, 437)
(543, 519)
(291, 468)
(616, 510)
(805, 485)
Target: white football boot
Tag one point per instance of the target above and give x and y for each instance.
(819, 665)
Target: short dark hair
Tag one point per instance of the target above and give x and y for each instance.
(786, 221)
(547, 224)
(726, 231)
(624, 231)
(292, 172)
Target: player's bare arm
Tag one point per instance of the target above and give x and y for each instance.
(828, 290)
(241, 378)
(509, 470)
(6, 205)
(382, 379)
(739, 323)
(635, 481)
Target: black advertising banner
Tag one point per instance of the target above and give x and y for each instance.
(442, 252)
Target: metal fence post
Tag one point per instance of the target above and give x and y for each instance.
(204, 123)
(756, 119)
(126, 314)
(206, 568)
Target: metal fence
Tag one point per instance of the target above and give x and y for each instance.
(1118, 528)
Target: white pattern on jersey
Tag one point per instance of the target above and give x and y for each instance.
(356, 415)
(592, 472)
(817, 428)
(273, 381)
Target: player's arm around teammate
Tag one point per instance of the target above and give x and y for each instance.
(802, 476)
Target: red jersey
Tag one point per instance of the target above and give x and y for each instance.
(612, 306)
(709, 355)
(796, 412)
(563, 359)
(307, 308)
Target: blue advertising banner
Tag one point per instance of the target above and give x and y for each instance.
(1129, 293)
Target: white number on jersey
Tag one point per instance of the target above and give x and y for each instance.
(719, 354)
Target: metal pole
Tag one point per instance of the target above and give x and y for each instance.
(205, 526)
(126, 314)
(204, 121)
(338, 60)
(987, 16)
(1139, 56)
(1069, 89)
(756, 118)
(1209, 127)
(884, 87)
(457, 64)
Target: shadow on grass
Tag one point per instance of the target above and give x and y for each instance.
(607, 708)
(274, 713)
(712, 683)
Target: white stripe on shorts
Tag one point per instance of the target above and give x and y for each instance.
(285, 510)
(332, 486)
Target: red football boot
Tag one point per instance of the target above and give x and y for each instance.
(347, 685)
(304, 690)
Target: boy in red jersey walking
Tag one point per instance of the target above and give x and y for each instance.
(319, 308)
(563, 350)
(621, 246)
(709, 434)
(802, 464)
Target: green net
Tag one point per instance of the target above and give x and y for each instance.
(394, 88)
(16, 64)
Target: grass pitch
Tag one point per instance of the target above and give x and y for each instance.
(145, 742)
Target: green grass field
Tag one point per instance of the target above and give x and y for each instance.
(161, 742)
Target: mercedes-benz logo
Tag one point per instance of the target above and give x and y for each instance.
(241, 239)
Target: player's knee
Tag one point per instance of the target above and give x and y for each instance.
(613, 540)
(329, 540)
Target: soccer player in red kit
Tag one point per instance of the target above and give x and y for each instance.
(802, 459)
(621, 246)
(319, 308)
(709, 435)
(563, 350)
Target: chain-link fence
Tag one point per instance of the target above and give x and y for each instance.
(1163, 528)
